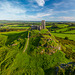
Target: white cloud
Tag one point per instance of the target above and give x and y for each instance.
(47, 13)
(40, 2)
(8, 11)
(39, 15)
(58, 4)
(63, 18)
(10, 8)
(43, 14)
(65, 4)
(67, 18)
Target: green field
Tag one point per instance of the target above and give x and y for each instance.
(62, 25)
(11, 43)
(13, 58)
(15, 26)
(48, 26)
(62, 35)
(32, 52)
(63, 29)
(72, 31)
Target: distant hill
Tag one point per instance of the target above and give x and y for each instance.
(19, 21)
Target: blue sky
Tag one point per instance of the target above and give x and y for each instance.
(36, 10)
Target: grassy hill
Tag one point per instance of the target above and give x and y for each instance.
(44, 53)
(10, 44)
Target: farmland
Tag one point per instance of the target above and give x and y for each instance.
(63, 35)
(63, 30)
(29, 52)
(15, 26)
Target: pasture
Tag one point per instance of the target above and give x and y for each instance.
(72, 31)
(15, 26)
(62, 25)
(62, 35)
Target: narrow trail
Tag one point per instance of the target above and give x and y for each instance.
(26, 43)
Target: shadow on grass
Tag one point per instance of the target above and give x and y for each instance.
(15, 36)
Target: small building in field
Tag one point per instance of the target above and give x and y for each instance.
(39, 27)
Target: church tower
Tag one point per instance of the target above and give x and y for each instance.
(43, 24)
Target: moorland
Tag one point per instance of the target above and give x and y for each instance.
(50, 51)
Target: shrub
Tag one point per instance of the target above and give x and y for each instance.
(55, 30)
(60, 31)
(73, 55)
(66, 38)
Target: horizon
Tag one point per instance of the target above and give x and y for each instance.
(36, 10)
(36, 21)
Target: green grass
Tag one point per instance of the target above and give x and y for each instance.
(15, 26)
(72, 27)
(32, 62)
(61, 35)
(11, 32)
(11, 44)
(48, 26)
(62, 25)
(71, 47)
(72, 31)
(64, 29)
(9, 38)
(3, 40)
(39, 44)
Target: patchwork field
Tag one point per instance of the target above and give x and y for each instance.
(72, 31)
(63, 35)
(30, 52)
(15, 26)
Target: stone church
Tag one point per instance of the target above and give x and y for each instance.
(39, 27)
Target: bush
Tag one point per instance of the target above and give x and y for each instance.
(60, 31)
(66, 38)
(55, 30)
(73, 55)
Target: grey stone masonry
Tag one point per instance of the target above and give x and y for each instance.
(39, 27)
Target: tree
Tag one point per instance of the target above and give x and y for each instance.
(55, 30)
(66, 38)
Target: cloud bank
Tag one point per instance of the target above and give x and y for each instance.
(40, 2)
(34, 12)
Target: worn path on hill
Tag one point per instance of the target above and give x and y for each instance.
(26, 43)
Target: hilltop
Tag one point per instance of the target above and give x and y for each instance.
(44, 41)
(43, 55)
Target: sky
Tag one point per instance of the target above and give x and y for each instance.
(37, 10)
